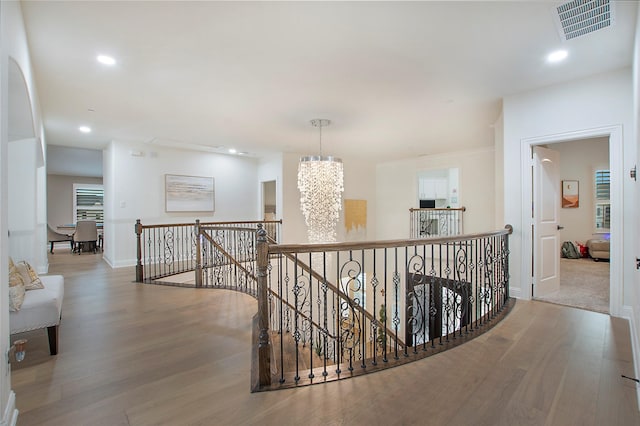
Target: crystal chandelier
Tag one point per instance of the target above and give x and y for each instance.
(320, 181)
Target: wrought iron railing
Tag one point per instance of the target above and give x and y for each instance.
(332, 311)
(167, 250)
(228, 258)
(427, 223)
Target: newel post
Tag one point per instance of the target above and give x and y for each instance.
(264, 346)
(507, 278)
(139, 268)
(198, 254)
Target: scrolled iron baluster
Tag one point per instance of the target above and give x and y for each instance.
(287, 310)
(396, 313)
(414, 299)
(350, 273)
(168, 250)
(300, 328)
(462, 261)
(375, 327)
(433, 310)
(415, 315)
(489, 278)
(150, 257)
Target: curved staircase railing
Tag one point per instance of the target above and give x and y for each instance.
(331, 311)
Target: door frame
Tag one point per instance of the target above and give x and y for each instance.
(616, 167)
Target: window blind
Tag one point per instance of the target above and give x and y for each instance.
(602, 184)
(89, 203)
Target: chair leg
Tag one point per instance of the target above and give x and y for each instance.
(52, 332)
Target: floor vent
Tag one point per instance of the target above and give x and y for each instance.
(580, 17)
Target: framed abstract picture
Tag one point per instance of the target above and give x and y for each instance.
(189, 193)
(570, 194)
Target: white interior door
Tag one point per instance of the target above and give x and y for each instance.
(546, 209)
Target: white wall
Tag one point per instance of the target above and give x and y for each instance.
(270, 169)
(603, 101)
(396, 189)
(41, 259)
(22, 199)
(14, 48)
(60, 197)
(359, 184)
(498, 128)
(134, 189)
(7, 397)
(578, 161)
(294, 230)
(634, 296)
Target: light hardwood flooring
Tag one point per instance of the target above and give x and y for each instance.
(133, 354)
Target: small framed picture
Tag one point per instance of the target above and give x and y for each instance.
(570, 194)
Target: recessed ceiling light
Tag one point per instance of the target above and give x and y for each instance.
(232, 151)
(106, 60)
(85, 129)
(557, 56)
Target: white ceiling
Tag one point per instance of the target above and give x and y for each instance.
(397, 79)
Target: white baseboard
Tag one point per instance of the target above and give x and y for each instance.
(121, 263)
(517, 293)
(628, 313)
(10, 417)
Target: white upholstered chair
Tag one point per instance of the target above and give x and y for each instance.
(56, 237)
(86, 236)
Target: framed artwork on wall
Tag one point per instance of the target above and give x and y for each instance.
(189, 193)
(570, 194)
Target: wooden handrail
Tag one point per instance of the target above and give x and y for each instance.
(345, 246)
(248, 222)
(437, 209)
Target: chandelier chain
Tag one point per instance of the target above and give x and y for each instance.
(320, 139)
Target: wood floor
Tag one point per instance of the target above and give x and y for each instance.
(134, 354)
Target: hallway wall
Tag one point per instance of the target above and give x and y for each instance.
(603, 101)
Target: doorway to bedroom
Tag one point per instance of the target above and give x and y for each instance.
(583, 282)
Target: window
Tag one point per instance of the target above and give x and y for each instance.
(88, 202)
(602, 201)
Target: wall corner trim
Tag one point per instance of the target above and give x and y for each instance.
(628, 313)
(10, 417)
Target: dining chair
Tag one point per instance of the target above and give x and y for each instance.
(86, 236)
(56, 237)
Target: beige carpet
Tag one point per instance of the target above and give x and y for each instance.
(584, 284)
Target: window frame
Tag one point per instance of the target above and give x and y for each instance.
(98, 208)
(602, 201)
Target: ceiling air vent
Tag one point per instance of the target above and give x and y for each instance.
(579, 17)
